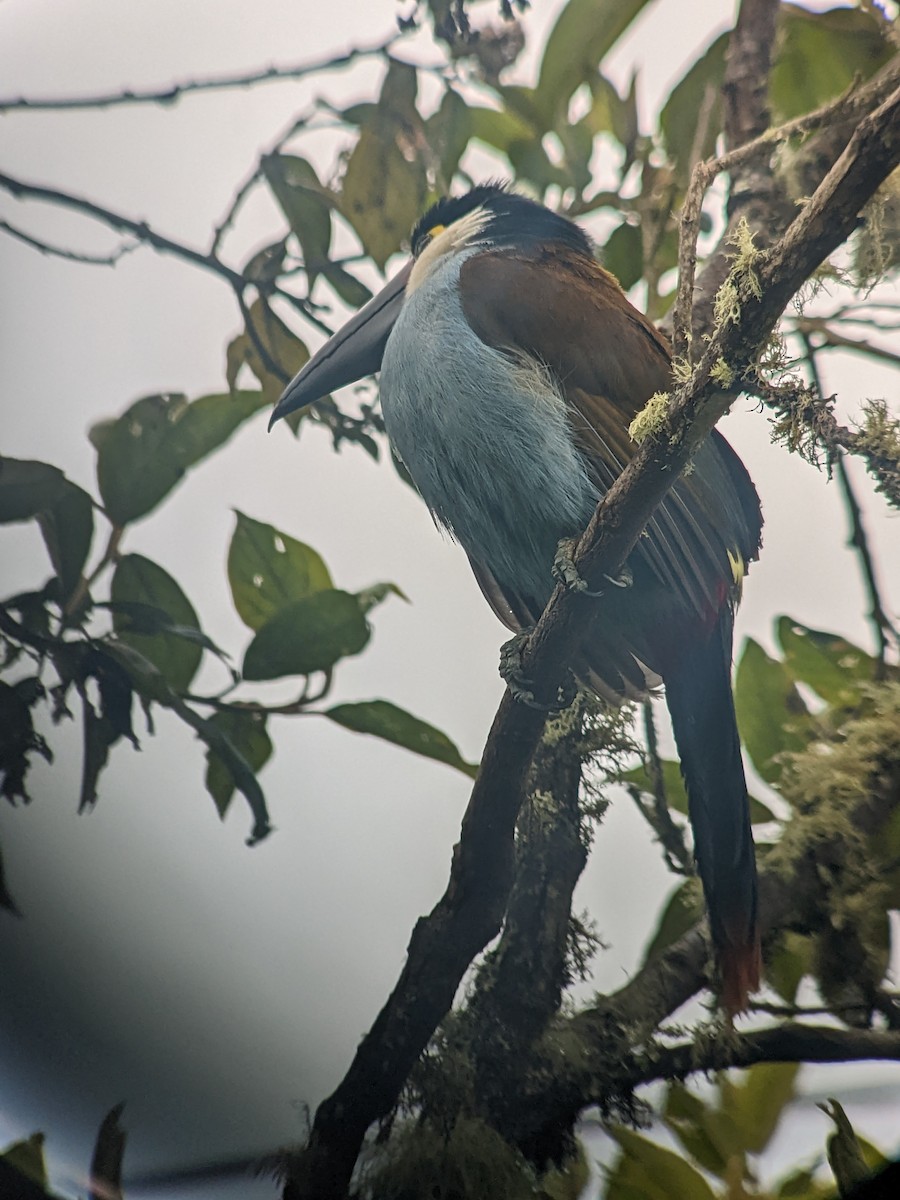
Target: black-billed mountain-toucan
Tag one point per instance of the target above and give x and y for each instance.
(512, 365)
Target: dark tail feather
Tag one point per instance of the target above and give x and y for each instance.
(698, 692)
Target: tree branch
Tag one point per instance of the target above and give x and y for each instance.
(169, 94)
(790, 1042)
(140, 230)
(94, 260)
(833, 125)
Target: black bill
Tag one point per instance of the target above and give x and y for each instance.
(356, 350)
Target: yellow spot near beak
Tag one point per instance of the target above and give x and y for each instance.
(737, 566)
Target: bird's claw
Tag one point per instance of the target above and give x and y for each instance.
(520, 686)
(566, 573)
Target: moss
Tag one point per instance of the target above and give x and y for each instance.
(827, 785)
(722, 373)
(682, 371)
(742, 280)
(879, 433)
(651, 417)
(873, 251)
(469, 1162)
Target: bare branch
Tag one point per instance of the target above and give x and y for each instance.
(790, 1042)
(99, 260)
(139, 230)
(827, 338)
(671, 837)
(169, 94)
(878, 618)
(833, 124)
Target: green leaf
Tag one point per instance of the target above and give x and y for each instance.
(788, 963)
(272, 352)
(696, 96)
(18, 740)
(385, 720)
(652, 1172)
(801, 1185)
(707, 1134)
(268, 570)
(144, 453)
(584, 32)
(448, 133)
(673, 782)
(350, 289)
(578, 148)
(682, 911)
(247, 734)
(819, 54)
(377, 593)
(308, 635)
(27, 487)
(210, 421)
(27, 1157)
(676, 794)
(138, 580)
(829, 664)
(305, 203)
(264, 266)
(604, 115)
(152, 686)
(755, 1105)
(384, 185)
(136, 465)
(499, 128)
(102, 729)
(623, 254)
(67, 526)
(772, 716)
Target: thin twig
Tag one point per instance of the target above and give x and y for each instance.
(167, 95)
(98, 260)
(829, 339)
(836, 111)
(138, 229)
(253, 178)
(882, 626)
(671, 837)
(878, 618)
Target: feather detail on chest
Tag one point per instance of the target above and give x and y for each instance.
(485, 436)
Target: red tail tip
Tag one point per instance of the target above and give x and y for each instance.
(741, 967)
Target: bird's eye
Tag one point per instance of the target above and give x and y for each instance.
(427, 235)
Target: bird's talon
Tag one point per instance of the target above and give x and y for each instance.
(566, 573)
(623, 580)
(520, 686)
(564, 570)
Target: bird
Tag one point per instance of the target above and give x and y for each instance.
(511, 366)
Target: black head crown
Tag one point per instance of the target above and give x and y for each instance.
(514, 221)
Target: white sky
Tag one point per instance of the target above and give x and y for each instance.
(216, 988)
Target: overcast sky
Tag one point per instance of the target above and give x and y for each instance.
(219, 989)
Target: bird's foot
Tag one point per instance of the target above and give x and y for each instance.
(566, 573)
(520, 686)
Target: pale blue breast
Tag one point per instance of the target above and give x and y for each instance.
(484, 437)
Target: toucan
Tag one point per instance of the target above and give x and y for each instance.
(512, 365)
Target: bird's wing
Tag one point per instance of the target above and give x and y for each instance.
(608, 360)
